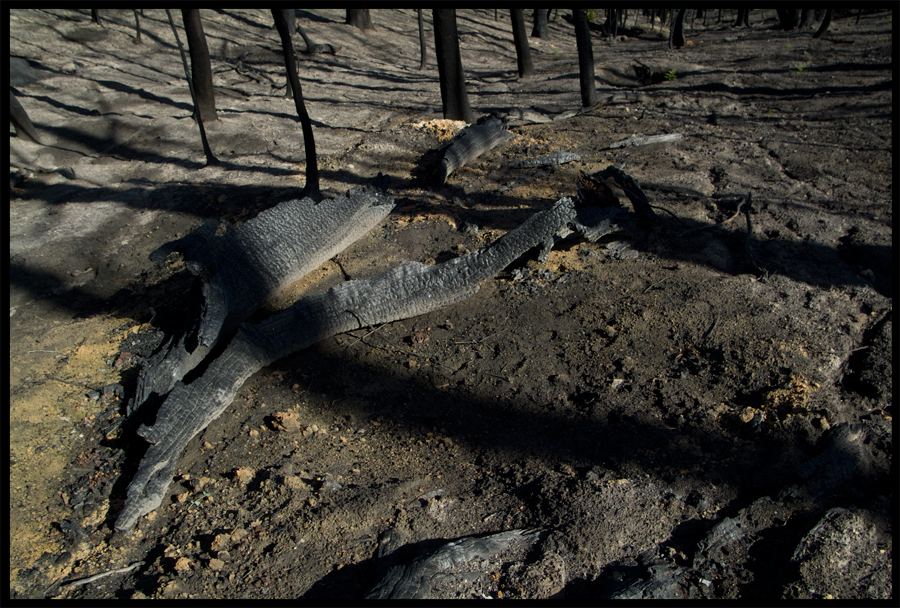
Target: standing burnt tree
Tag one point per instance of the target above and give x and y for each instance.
(743, 18)
(585, 58)
(210, 157)
(789, 18)
(312, 168)
(201, 72)
(676, 31)
(523, 52)
(422, 47)
(454, 99)
(826, 21)
(360, 17)
(540, 29)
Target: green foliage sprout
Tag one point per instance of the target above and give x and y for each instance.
(670, 75)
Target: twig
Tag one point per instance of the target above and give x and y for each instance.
(479, 341)
(358, 340)
(722, 223)
(677, 219)
(91, 579)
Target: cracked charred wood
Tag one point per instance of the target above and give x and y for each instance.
(472, 142)
(408, 290)
(632, 190)
(244, 266)
(418, 579)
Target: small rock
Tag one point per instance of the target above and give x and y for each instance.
(216, 564)
(245, 474)
(220, 542)
(288, 422)
(294, 482)
(183, 564)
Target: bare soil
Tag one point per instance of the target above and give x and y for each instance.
(654, 403)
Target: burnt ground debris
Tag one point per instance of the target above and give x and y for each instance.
(664, 413)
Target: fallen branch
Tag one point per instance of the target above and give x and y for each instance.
(473, 141)
(241, 268)
(643, 141)
(96, 577)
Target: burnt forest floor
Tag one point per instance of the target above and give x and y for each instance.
(699, 399)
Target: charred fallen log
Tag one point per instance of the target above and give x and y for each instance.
(408, 290)
(472, 142)
(242, 267)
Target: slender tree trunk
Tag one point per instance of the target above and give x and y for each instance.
(312, 168)
(826, 21)
(422, 47)
(454, 98)
(201, 71)
(360, 17)
(585, 58)
(612, 24)
(790, 18)
(137, 28)
(676, 31)
(523, 52)
(540, 29)
(95, 17)
(210, 157)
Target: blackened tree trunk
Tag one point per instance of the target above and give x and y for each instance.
(312, 168)
(790, 18)
(585, 58)
(612, 24)
(454, 98)
(422, 47)
(290, 17)
(523, 52)
(743, 18)
(210, 157)
(806, 18)
(540, 29)
(826, 21)
(359, 17)
(201, 72)
(676, 32)
(95, 17)
(137, 28)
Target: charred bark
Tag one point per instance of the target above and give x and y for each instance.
(454, 99)
(789, 18)
(201, 71)
(585, 59)
(676, 32)
(826, 21)
(423, 48)
(309, 144)
(540, 29)
(523, 52)
(359, 17)
(210, 157)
